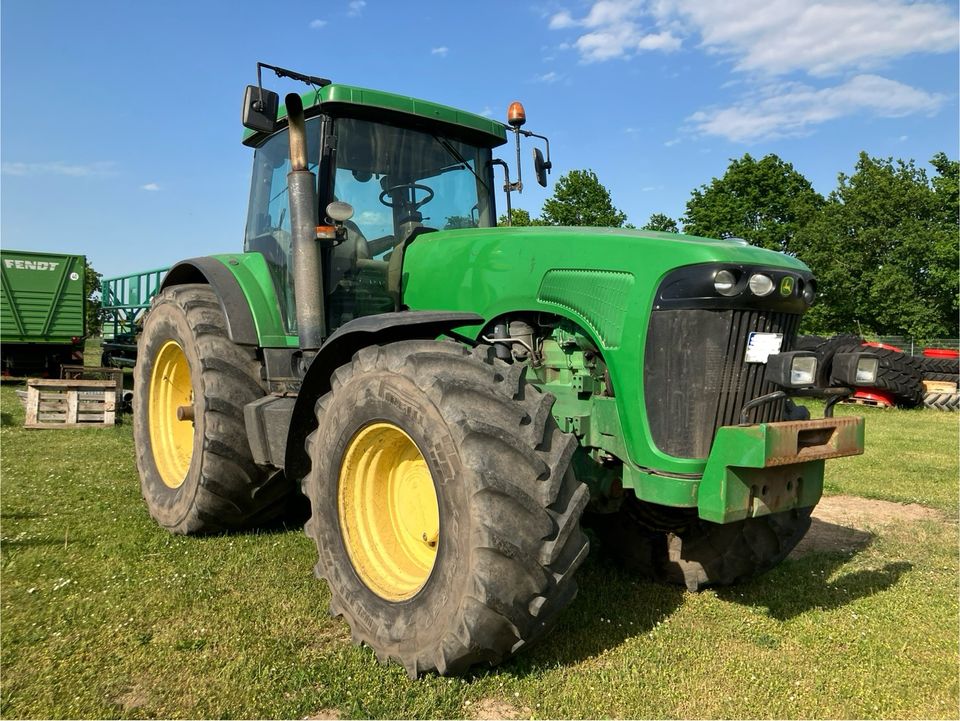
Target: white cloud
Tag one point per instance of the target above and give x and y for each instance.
(441, 51)
(767, 37)
(317, 24)
(61, 168)
(610, 12)
(793, 109)
(614, 30)
(821, 37)
(150, 186)
(548, 78)
(562, 20)
(355, 7)
(618, 41)
(487, 112)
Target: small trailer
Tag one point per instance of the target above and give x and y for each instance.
(42, 314)
(124, 301)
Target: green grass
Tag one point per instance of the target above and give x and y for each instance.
(105, 615)
(910, 457)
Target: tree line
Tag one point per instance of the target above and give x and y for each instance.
(883, 244)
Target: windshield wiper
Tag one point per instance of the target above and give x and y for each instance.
(455, 154)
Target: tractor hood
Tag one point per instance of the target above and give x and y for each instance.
(493, 271)
(609, 282)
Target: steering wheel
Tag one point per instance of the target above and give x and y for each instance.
(408, 186)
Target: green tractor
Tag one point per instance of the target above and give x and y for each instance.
(452, 396)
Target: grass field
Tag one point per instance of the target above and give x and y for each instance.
(105, 615)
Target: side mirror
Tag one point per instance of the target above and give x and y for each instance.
(540, 167)
(260, 109)
(339, 212)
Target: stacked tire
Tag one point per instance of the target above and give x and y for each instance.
(941, 376)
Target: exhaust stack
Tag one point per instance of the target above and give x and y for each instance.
(307, 260)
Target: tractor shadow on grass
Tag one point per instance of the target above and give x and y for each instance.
(614, 605)
(611, 607)
(807, 579)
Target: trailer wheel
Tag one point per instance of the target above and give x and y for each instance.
(675, 546)
(198, 476)
(445, 513)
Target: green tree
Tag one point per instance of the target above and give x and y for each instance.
(764, 201)
(459, 221)
(884, 249)
(520, 218)
(92, 302)
(579, 198)
(663, 223)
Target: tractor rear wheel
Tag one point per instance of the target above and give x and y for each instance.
(190, 385)
(675, 546)
(445, 512)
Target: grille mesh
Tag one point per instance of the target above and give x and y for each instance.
(695, 377)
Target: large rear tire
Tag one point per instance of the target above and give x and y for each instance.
(675, 546)
(198, 476)
(445, 512)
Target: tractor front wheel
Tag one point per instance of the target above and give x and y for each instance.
(675, 546)
(445, 513)
(190, 385)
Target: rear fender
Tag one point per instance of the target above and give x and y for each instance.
(241, 328)
(244, 286)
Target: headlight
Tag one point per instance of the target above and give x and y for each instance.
(796, 369)
(725, 283)
(854, 369)
(809, 292)
(761, 284)
(803, 370)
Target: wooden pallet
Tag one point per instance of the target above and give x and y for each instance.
(939, 387)
(853, 401)
(92, 373)
(70, 403)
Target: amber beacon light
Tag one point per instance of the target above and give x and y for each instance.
(516, 115)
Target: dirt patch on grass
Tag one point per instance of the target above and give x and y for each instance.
(844, 523)
(494, 708)
(132, 699)
(324, 714)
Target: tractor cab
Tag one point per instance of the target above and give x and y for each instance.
(404, 167)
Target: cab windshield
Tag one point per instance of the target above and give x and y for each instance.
(398, 179)
(400, 182)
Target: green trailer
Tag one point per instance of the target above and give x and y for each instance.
(124, 301)
(42, 312)
(455, 398)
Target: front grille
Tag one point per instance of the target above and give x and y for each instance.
(695, 377)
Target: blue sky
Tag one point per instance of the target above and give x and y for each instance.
(119, 121)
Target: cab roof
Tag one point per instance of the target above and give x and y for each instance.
(377, 104)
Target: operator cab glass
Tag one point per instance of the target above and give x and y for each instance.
(400, 182)
(268, 212)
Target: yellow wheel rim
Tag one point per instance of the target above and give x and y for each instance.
(388, 509)
(170, 438)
